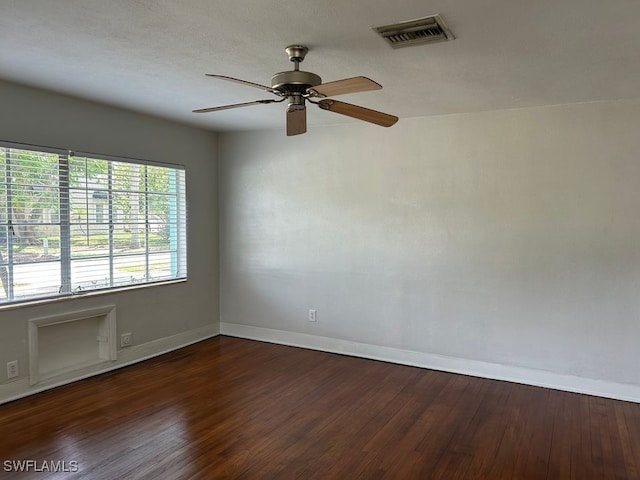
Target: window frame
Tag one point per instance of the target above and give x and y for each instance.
(177, 257)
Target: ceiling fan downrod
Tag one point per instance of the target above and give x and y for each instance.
(295, 81)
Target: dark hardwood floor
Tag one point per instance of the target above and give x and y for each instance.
(232, 408)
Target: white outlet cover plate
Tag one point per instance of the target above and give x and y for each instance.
(12, 369)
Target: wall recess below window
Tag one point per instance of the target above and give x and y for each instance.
(61, 344)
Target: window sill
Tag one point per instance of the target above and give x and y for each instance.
(94, 293)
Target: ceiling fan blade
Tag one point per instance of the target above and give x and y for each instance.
(242, 82)
(361, 113)
(234, 105)
(341, 87)
(296, 121)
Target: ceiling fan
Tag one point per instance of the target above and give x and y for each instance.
(298, 87)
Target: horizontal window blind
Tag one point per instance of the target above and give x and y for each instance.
(71, 224)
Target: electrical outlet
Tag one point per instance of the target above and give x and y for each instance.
(312, 315)
(126, 339)
(12, 369)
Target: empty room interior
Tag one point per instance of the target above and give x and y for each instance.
(271, 239)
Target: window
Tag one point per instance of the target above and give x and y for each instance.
(71, 223)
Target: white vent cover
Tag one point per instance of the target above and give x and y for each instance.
(415, 32)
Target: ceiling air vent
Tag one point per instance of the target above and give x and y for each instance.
(415, 32)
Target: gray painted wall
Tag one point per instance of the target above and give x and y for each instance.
(42, 118)
(508, 237)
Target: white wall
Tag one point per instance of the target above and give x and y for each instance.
(501, 243)
(158, 317)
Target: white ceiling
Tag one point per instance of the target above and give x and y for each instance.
(151, 55)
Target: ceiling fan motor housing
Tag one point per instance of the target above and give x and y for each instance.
(294, 81)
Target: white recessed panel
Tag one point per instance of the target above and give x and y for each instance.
(65, 343)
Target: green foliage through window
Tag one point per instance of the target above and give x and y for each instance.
(70, 223)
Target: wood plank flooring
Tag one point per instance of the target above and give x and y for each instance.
(229, 408)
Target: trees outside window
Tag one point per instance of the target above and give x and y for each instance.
(71, 223)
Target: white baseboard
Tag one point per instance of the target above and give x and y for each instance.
(127, 356)
(476, 368)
